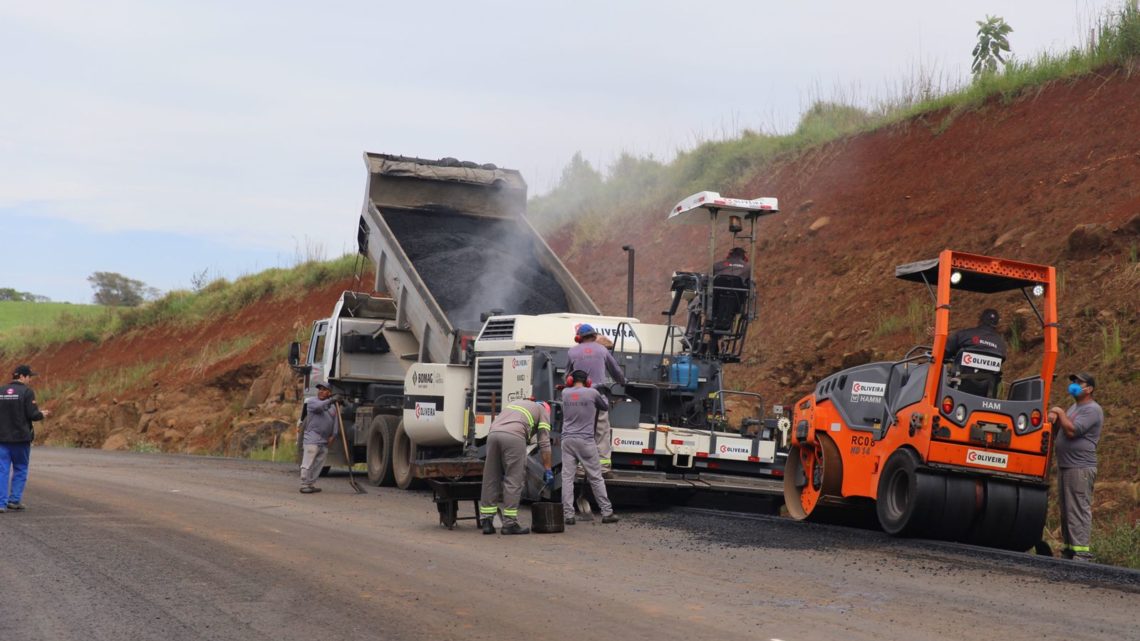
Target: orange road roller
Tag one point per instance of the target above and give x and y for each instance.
(936, 444)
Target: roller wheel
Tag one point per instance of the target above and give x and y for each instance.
(910, 501)
(813, 473)
(381, 433)
(403, 457)
(1030, 522)
(995, 522)
(962, 507)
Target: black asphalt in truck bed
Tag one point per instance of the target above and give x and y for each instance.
(473, 264)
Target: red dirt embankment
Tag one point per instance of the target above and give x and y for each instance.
(1053, 177)
(216, 386)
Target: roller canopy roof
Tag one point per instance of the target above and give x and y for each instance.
(926, 271)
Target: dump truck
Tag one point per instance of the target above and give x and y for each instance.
(475, 311)
(929, 445)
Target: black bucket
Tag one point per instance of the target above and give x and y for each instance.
(546, 517)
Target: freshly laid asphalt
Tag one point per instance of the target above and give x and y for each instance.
(121, 546)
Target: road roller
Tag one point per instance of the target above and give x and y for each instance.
(936, 444)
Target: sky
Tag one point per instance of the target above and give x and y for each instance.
(166, 138)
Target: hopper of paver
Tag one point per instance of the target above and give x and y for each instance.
(450, 243)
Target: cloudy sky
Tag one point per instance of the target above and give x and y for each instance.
(162, 138)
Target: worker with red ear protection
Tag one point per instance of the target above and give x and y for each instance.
(504, 470)
(580, 406)
(596, 361)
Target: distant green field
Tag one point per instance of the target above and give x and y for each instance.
(41, 315)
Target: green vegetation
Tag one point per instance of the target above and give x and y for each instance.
(112, 288)
(1113, 345)
(179, 307)
(1117, 543)
(914, 321)
(215, 352)
(992, 43)
(42, 315)
(282, 454)
(117, 380)
(598, 201)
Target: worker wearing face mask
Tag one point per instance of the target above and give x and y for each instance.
(1077, 432)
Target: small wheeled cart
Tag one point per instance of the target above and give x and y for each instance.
(447, 495)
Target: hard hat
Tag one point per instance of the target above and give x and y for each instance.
(586, 329)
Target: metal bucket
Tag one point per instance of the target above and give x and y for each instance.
(546, 517)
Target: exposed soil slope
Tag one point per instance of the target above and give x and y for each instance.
(1053, 177)
(215, 387)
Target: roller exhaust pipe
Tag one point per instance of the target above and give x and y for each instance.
(629, 281)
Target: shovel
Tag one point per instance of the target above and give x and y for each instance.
(347, 456)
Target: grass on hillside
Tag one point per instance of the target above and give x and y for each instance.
(21, 314)
(595, 200)
(179, 307)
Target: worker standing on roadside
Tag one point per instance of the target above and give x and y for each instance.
(504, 470)
(580, 407)
(595, 359)
(318, 431)
(1075, 448)
(18, 410)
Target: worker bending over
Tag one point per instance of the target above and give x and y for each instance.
(581, 405)
(504, 471)
(595, 360)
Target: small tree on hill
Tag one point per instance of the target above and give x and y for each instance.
(119, 291)
(992, 43)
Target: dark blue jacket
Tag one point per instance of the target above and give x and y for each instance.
(17, 411)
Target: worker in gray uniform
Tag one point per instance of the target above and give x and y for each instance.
(592, 357)
(318, 431)
(580, 406)
(504, 470)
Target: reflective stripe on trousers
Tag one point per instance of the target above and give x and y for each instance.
(504, 473)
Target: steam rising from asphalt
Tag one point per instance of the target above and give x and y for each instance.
(473, 265)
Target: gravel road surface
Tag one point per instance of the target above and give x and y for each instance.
(121, 546)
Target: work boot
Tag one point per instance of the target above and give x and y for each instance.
(515, 528)
(610, 518)
(488, 526)
(308, 490)
(16, 507)
(569, 521)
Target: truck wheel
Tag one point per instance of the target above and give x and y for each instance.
(403, 457)
(381, 432)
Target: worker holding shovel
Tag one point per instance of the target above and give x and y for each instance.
(318, 431)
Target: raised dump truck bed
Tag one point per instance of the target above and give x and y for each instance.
(450, 242)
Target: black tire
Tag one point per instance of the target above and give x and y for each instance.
(403, 456)
(961, 507)
(995, 522)
(381, 432)
(1032, 503)
(909, 501)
